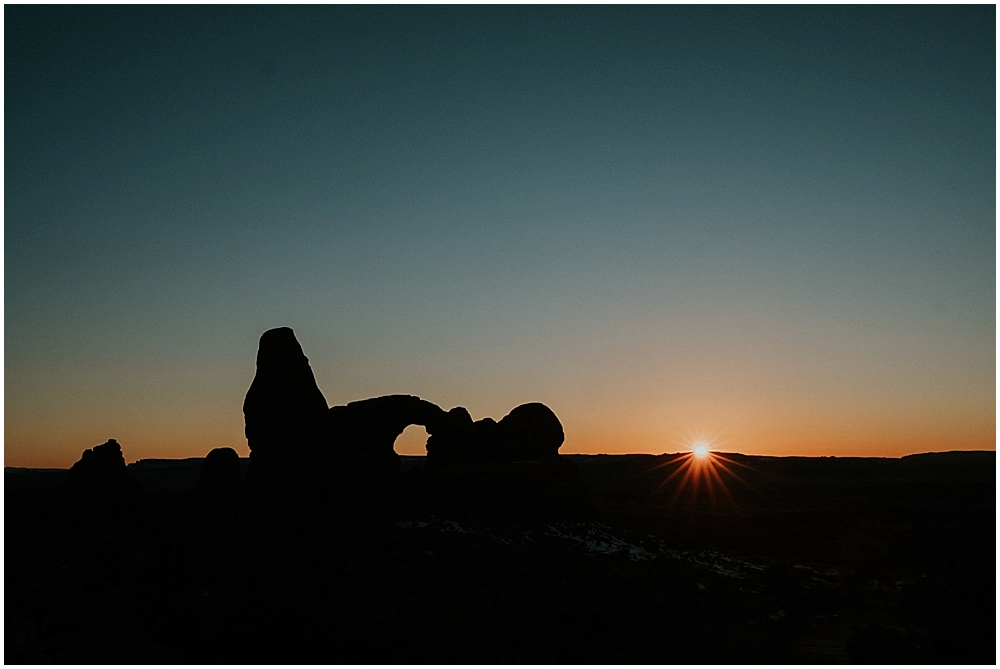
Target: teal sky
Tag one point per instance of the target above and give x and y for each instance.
(771, 227)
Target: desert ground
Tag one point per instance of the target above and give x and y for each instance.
(769, 560)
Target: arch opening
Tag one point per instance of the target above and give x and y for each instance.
(411, 441)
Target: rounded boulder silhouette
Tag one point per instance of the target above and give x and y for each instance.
(533, 429)
(220, 473)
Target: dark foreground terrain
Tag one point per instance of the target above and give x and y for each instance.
(822, 560)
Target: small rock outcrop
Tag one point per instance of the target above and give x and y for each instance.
(100, 478)
(220, 474)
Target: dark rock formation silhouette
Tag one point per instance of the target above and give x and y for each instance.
(529, 432)
(362, 435)
(285, 413)
(510, 466)
(100, 478)
(532, 431)
(299, 448)
(456, 439)
(220, 474)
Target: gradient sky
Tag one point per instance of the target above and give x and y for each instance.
(771, 228)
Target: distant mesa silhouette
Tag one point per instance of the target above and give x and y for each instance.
(100, 478)
(299, 447)
(220, 474)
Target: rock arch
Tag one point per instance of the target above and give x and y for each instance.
(361, 435)
(300, 446)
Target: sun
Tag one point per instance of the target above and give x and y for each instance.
(701, 470)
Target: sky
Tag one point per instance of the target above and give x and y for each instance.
(768, 228)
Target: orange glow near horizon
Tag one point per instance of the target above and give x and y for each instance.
(158, 432)
(607, 402)
(61, 448)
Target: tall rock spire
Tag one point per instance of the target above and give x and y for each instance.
(284, 408)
